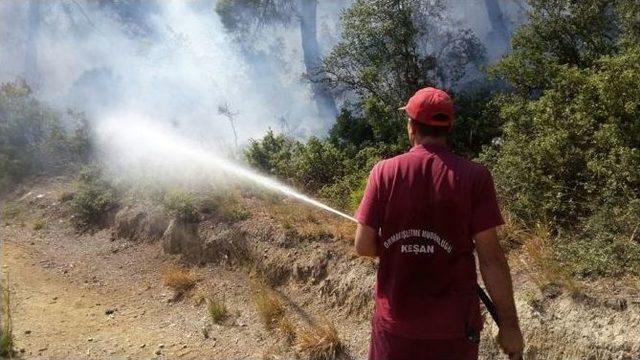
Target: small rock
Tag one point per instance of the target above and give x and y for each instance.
(618, 304)
(158, 352)
(142, 346)
(161, 346)
(42, 349)
(90, 339)
(551, 290)
(184, 346)
(110, 311)
(205, 331)
(27, 332)
(55, 298)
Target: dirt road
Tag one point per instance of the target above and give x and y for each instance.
(90, 297)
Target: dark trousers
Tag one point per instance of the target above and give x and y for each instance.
(387, 346)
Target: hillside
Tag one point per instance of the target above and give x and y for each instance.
(254, 277)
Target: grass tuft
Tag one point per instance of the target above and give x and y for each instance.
(6, 324)
(319, 342)
(540, 254)
(288, 329)
(179, 279)
(11, 210)
(217, 309)
(38, 224)
(269, 307)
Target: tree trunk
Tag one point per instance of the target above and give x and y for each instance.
(312, 60)
(31, 73)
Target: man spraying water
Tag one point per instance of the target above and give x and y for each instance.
(422, 214)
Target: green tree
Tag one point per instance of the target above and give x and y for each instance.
(565, 32)
(571, 159)
(33, 138)
(389, 49)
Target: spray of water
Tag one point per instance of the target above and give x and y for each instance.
(130, 140)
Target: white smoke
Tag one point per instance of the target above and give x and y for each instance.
(177, 65)
(172, 63)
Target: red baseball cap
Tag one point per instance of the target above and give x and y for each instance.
(430, 106)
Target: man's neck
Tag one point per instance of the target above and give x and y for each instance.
(430, 140)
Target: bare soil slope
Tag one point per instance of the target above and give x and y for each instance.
(100, 295)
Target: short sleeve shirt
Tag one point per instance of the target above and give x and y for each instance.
(427, 205)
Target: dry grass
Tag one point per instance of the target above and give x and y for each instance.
(308, 221)
(288, 329)
(272, 312)
(318, 342)
(179, 279)
(512, 234)
(11, 212)
(543, 341)
(6, 323)
(269, 307)
(543, 266)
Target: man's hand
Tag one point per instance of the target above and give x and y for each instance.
(511, 342)
(497, 278)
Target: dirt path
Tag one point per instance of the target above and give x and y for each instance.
(91, 297)
(81, 298)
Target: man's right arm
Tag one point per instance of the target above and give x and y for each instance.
(497, 278)
(369, 215)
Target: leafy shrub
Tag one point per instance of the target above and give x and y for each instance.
(273, 154)
(607, 244)
(181, 205)
(94, 198)
(317, 164)
(571, 158)
(311, 165)
(576, 150)
(33, 138)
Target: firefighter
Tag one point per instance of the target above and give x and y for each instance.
(423, 214)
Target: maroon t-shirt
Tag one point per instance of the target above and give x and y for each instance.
(427, 205)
